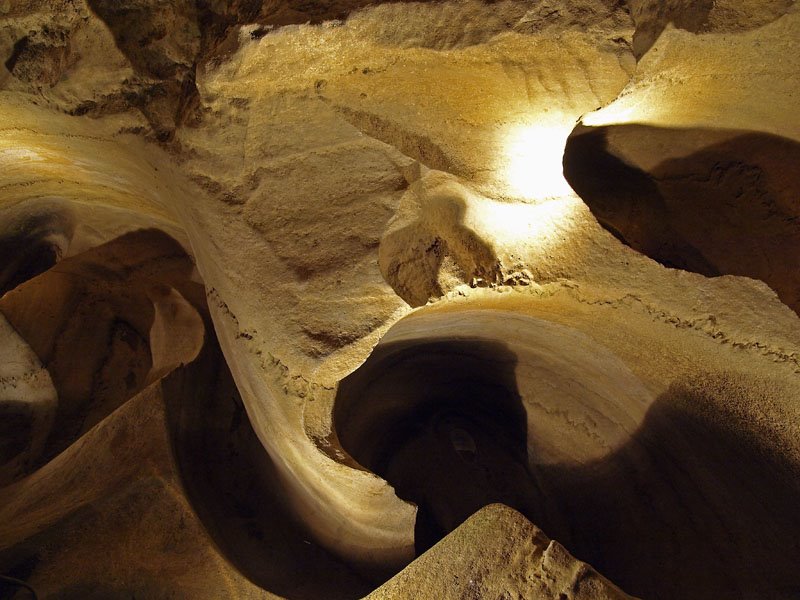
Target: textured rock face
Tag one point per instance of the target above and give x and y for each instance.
(494, 553)
(290, 290)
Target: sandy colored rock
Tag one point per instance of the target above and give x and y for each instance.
(498, 553)
(331, 250)
(645, 420)
(121, 502)
(28, 402)
(117, 289)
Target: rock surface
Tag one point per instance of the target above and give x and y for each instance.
(107, 516)
(380, 264)
(497, 553)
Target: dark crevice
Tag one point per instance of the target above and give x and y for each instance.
(31, 244)
(16, 425)
(19, 48)
(698, 502)
(237, 493)
(728, 206)
(31, 260)
(443, 423)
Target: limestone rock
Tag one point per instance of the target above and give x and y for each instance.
(498, 553)
(120, 501)
(28, 402)
(360, 269)
(117, 289)
(702, 179)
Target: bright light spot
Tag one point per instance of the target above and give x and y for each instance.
(623, 110)
(536, 226)
(534, 154)
(16, 154)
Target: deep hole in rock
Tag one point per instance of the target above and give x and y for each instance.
(683, 497)
(32, 242)
(19, 48)
(33, 261)
(16, 423)
(442, 422)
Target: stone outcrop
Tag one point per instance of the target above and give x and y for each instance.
(497, 553)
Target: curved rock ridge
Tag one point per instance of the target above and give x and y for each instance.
(459, 410)
(321, 280)
(648, 449)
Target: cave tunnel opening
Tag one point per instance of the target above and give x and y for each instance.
(112, 286)
(442, 421)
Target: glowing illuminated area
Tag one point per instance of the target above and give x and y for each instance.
(533, 158)
(19, 154)
(537, 226)
(621, 112)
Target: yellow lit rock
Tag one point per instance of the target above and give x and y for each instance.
(533, 157)
(290, 291)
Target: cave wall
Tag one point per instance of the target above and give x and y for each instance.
(382, 264)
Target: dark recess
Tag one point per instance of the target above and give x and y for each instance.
(700, 503)
(441, 421)
(729, 207)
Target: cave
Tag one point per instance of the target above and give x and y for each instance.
(442, 422)
(342, 299)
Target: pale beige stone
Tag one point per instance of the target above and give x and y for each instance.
(337, 179)
(497, 553)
